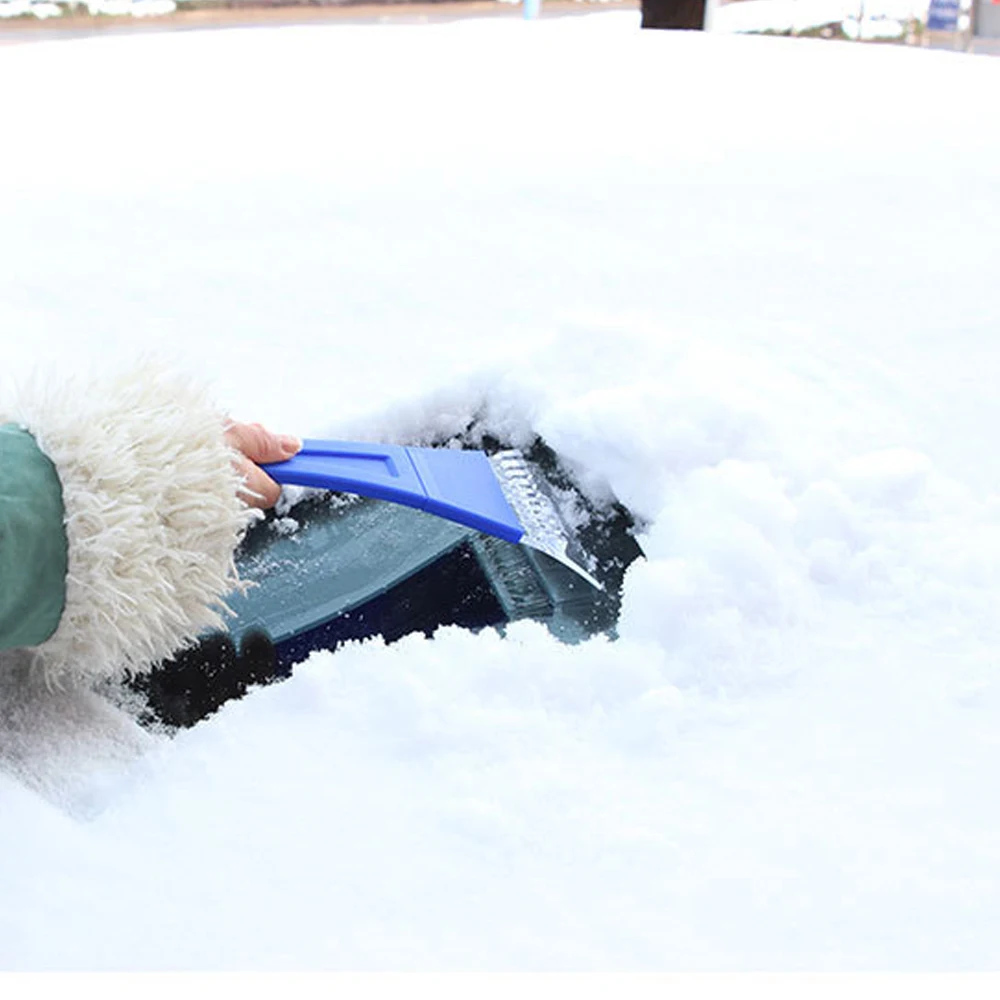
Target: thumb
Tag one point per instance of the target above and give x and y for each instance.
(261, 445)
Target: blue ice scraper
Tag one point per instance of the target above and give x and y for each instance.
(500, 495)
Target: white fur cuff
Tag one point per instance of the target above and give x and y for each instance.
(152, 519)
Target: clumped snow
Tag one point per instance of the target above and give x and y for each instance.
(744, 285)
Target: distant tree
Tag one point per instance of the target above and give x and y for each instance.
(673, 14)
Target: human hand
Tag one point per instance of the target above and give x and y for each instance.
(252, 444)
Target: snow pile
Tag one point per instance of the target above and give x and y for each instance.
(873, 28)
(769, 329)
(21, 8)
(114, 8)
(880, 18)
(131, 8)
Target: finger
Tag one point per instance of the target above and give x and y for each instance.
(261, 445)
(258, 489)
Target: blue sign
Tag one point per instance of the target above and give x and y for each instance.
(942, 15)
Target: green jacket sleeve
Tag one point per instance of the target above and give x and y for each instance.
(33, 547)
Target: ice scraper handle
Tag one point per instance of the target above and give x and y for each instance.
(458, 485)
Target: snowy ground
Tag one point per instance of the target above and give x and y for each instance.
(747, 285)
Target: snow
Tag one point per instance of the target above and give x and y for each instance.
(880, 18)
(760, 312)
(115, 8)
(21, 8)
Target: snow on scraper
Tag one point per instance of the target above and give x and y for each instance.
(466, 538)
